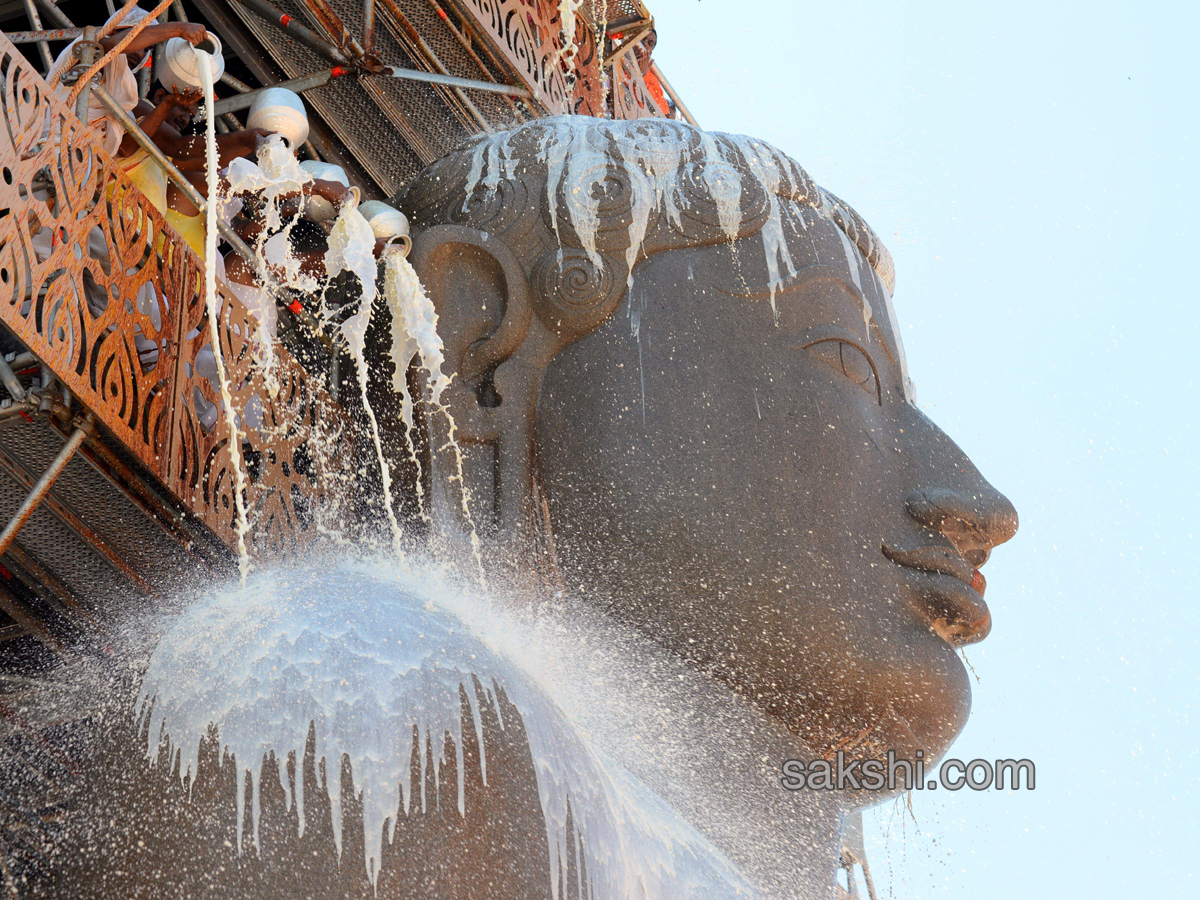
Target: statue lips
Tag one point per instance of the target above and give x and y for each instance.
(949, 594)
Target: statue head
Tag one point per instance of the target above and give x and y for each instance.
(684, 393)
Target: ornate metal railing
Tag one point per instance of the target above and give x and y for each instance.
(530, 37)
(109, 297)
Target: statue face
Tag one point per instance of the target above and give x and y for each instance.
(755, 491)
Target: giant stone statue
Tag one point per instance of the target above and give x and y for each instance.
(682, 356)
(726, 533)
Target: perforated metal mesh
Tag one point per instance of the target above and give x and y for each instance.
(392, 127)
(100, 506)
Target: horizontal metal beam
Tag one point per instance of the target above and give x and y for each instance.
(469, 84)
(54, 34)
(299, 85)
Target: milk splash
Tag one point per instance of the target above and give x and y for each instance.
(204, 67)
(365, 651)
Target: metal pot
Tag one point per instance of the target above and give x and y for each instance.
(178, 67)
(387, 223)
(281, 111)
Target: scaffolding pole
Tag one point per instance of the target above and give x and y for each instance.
(42, 488)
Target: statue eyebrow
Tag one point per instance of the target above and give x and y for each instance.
(821, 272)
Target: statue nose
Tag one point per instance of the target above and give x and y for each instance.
(974, 521)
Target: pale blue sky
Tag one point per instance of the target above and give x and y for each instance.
(1032, 167)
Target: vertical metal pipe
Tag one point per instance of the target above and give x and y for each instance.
(35, 23)
(82, 430)
(9, 377)
(156, 56)
(144, 83)
(368, 40)
(85, 52)
(177, 8)
(47, 385)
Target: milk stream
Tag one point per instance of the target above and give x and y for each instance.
(242, 528)
(414, 332)
(567, 10)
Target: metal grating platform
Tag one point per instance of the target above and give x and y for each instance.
(393, 128)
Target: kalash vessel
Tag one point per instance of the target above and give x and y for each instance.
(434, 467)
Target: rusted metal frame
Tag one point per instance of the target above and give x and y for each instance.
(332, 22)
(432, 59)
(174, 521)
(52, 34)
(42, 487)
(470, 49)
(294, 29)
(67, 516)
(35, 22)
(299, 85)
(615, 56)
(8, 632)
(675, 98)
(622, 23)
(482, 40)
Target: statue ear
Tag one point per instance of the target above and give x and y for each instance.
(481, 295)
(496, 352)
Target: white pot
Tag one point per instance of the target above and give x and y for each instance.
(387, 223)
(177, 67)
(318, 208)
(281, 111)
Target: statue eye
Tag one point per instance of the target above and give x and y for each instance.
(849, 360)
